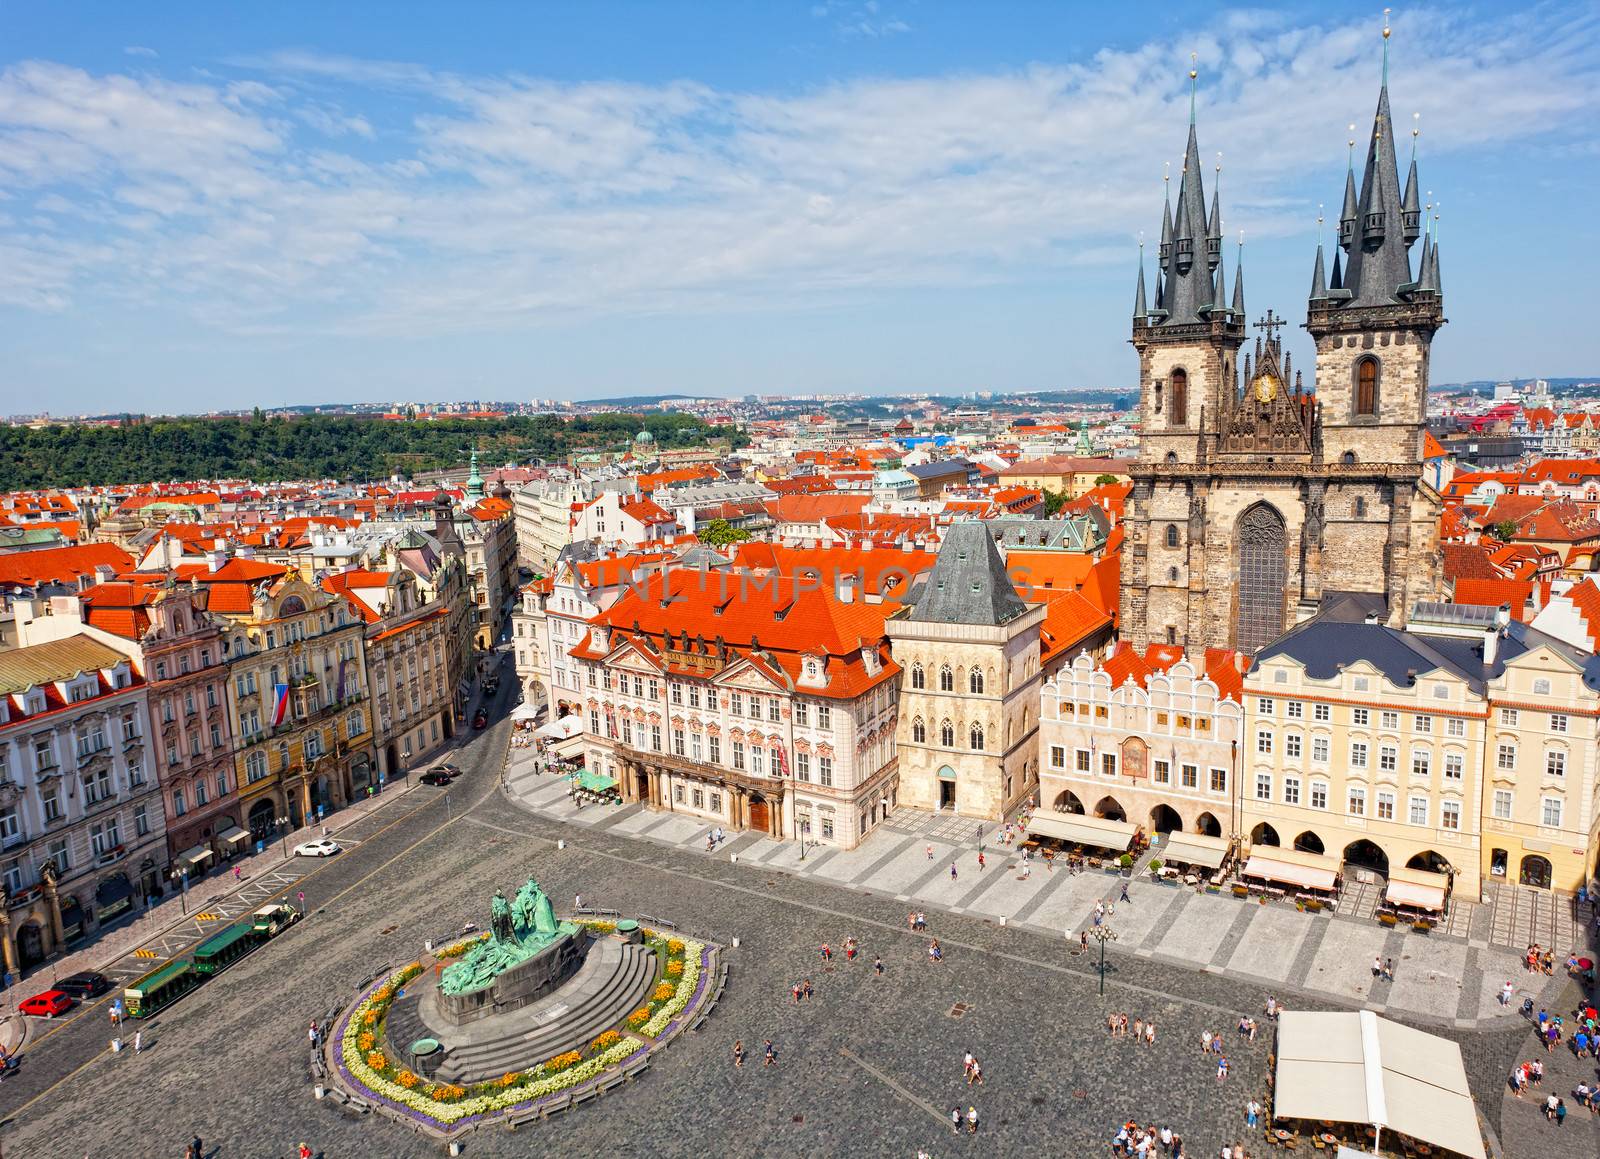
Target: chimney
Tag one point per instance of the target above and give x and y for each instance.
(218, 557)
(844, 587)
(103, 573)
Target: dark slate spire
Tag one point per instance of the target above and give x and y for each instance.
(1337, 281)
(1139, 310)
(1219, 295)
(1238, 285)
(1347, 217)
(1319, 283)
(1410, 210)
(1379, 261)
(968, 583)
(1214, 227)
(1188, 273)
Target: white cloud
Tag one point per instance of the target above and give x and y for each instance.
(140, 50)
(269, 201)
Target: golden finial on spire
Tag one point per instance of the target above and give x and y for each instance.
(1385, 48)
(1194, 72)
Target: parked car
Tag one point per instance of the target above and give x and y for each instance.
(321, 847)
(481, 720)
(47, 1005)
(435, 777)
(86, 984)
(448, 767)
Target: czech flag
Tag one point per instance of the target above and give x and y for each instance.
(280, 703)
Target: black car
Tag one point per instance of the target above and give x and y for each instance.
(435, 777)
(447, 767)
(88, 984)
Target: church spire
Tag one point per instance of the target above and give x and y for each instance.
(1139, 310)
(1319, 283)
(1187, 289)
(1238, 281)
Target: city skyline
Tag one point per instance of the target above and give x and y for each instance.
(301, 207)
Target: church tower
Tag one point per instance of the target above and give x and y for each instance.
(1373, 320)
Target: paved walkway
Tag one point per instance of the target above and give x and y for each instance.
(1451, 976)
(136, 944)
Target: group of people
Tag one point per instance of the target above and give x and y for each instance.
(1382, 968)
(1148, 1141)
(1539, 960)
(973, 1069)
(1143, 1032)
(1585, 1041)
(769, 1055)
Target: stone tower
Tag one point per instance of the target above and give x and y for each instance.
(1252, 498)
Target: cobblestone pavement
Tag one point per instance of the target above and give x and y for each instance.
(1449, 977)
(870, 1066)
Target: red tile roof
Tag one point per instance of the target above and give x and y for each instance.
(63, 565)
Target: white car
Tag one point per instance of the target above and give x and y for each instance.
(321, 847)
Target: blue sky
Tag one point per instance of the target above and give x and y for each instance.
(219, 205)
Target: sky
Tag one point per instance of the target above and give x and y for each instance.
(217, 205)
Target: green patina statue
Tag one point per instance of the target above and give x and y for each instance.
(518, 930)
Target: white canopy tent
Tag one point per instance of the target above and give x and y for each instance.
(526, 711)
(1293, 867)
(1099, 832)
(1355, 1067)
(1196, 849)
(1419, 888)
(560, 728)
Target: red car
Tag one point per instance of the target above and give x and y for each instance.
(481, 720)
(47, 1005)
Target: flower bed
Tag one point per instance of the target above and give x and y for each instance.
(673, 1004)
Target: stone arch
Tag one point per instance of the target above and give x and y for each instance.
(1208, 824)
(1431, 861)
(1264, 834)
(1165, 819)
(1368, 854)
(1535, 871)
(1067, 802)
(1263, 570)
(1309, 842)
(1110, 809)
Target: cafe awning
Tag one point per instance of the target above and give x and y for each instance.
(233, 835)
(1355, 1067)
(1081, 829)
(113, 895)
(1293, 867)
(571, 747)
(1418, 888)
(595, 782)
(561, 728)
(193, 857)
(1196, 849)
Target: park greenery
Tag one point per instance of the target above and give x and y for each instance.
(269, 449)
(720, 533)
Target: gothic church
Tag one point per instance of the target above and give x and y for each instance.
(1255, 500)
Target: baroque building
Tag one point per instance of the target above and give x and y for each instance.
(1254, 498)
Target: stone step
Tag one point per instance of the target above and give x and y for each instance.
(615, 980)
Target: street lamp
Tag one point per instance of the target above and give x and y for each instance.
(181, 877)
(805, 828)
(283, 831)
(405, 767)
(1103, 934)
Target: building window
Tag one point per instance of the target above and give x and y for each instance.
(1502, 804)
(975, 681)
(714, 749)
(757, 761)
(824, 717)
(1385, 806)
(825, 771)
(1508, 716)
(695, 743)
(1555, 763)
(1389, 720)
(1450, 814)
(178, 807)
(1506, 758)
(947, 734)
(1108, 764)
(1550, 813)
(1291, 745)
(1321, 712)
(1263, 786)
(1388, 758)
(802, 713)
(1291, 790)
(677, 794)
(827, 826)
(1357, 801)
(1455, 726)
(1358, 754)
(678, 746)
(715, 801)
(675, 692)
(1179, 412)
(975, 738)
(1319, 794)
(1422, 724)
(1421, 763)
(655, 737)
(774, 711)
(1319, 749)
(1172, 535)
(947, 679)
(1219, 780)
(1558, 722)
(918, 678)
(1294, 710)
(1058, 757)
(1366, 400)
(802, 766)
(1081, 760)
(738, 754)
(1264, 741)
(1360, 717)
(1163, 772)
(755, 708)
(1419, 811)
(1190, 776)
(919, 731)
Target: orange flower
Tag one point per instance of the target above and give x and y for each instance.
(607, 1040)
(674, 969)
(562, 1061)
(675, 946)
(407, 1079)
(664, 991)
(639, 1017)
(509, 1079)
(376, 1060)
(365, 1040)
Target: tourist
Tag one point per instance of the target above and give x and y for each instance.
(1536, 1073)
(930, 853)
(577, 901)
(1252, 1113)
(1561, 1112)
(1083, 940)
(1138, 1029)
(1377, 966)
(922, 920)
(138, 1042)
(196, 1147)
(1388, 968)
(975, 1075)
(952, 871)
(738, 1052)
(955, 1119)
(1125, 896)
(1150, 1033)
(967, 1061)
(806, 987)
(311, 1033)
(1552, 1035)
(305, 1152)
(1550, 1107)
(972, 1120)
(1519, 1080)
(1205, 1042)
(795, 990)
(1222, 1068)
(1505, 993)
(934, 953)
(980, 861)
(827, 953)
(877, 966)
(771, 1055)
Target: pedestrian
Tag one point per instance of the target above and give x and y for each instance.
(738, 1052)
(1505, 993)
(930, 853)
(1561, 1112)
(196, 1148)
(305, 1152)
(1083, 940)
(1149, 1033)
(877, 965)
(972, 1120)
(1222, 1068)
(311, 1033)
(806, 986)
(1252, 1112)
(235, 873)
(795, 990)
(1388, 968)
(577, 901)
(967, 1060)
(1125, 896)
(952, 871)
(955, 1119)
(827, 952)
(1377, 966)
(1205, 1042)
(771, 1058)
(138, 1042)
(976, 1074)
(980, 861)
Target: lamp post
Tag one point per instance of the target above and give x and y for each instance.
(805, 828)
(1103, 934)
(181, 878)
(283, 831)
(405, 767)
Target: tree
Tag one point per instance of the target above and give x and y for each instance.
(1504, 530)
(1104, 480)
(1054, 501)
(720, 533)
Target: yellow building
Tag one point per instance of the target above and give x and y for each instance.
(1069, 475)
(297, 693)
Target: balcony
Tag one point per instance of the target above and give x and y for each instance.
(110, 856)
(15, 840)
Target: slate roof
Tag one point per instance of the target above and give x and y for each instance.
(968, 583)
